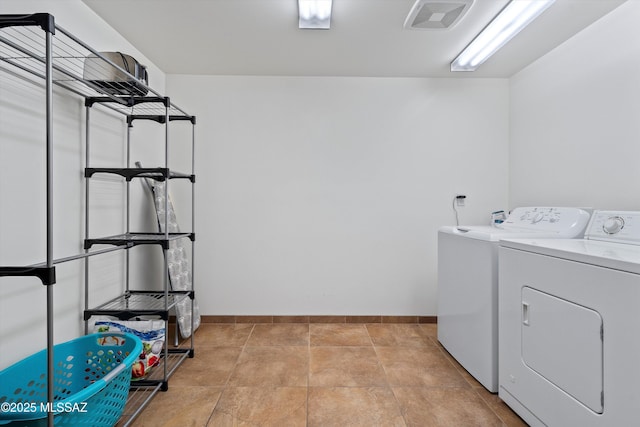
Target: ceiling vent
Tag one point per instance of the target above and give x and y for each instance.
(436, 14)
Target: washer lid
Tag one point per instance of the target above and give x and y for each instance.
(564, 223)
(618, 256)
(491, 234)
(478, 232)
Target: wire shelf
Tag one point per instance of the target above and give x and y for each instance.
(75, 66)
(36, 50)
(139, 303)
(158, 174)
(134, 239)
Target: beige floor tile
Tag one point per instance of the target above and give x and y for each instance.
(180, 407)
(430, 330)
(398, 335)
(338, 334)
(353, 407)
(508, 417)
(261, 406)
(222, 335)
(272, 366)
(444, 407)
(210, 367)
(411, 366)
(323, 375)
(286, 334)
(465, 374)
(345, 366)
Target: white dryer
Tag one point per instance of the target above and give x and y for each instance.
(569, 340)
(468, 282)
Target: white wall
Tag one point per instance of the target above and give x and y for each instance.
(574, 133)
(324, 195)
(22, 214)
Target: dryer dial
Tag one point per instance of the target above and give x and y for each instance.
(613, 224)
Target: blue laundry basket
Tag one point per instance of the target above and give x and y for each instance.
(91, 383)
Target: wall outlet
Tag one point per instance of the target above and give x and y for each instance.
(460, 198)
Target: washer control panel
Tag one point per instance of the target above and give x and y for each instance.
(562, 221)
(615, 226)
(536, 215)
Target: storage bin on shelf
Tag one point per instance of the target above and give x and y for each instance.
(91, 382)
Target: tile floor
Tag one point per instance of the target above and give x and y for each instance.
(283, 375)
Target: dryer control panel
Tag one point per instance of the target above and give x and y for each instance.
(615, 226)
(564, 222)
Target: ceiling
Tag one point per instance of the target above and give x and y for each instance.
(367, 38)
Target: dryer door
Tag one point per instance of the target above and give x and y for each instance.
(562, 341)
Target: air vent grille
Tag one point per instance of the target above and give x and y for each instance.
(436, 14)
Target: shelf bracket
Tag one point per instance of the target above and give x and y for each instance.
(46, 274)
(43, 20)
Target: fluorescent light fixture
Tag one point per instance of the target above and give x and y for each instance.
(315, 14)
(513, 18)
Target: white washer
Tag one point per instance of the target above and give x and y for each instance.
(569, 340)
(468, 282)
